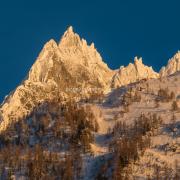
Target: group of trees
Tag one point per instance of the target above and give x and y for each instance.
(36, 163)
(131, 96)
(147, 123)
(142, 125)
(82, 123)
(50, 143)
(164, 95)
(128, 143)
(128, 98)
(174, 106)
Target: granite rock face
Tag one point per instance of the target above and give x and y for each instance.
(72, 69)
(133, 73)
(172, 66)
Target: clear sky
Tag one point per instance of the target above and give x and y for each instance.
(120, 29)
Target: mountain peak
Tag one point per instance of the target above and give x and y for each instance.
(50, 44)
(70, 64)
(138, 60)
(133, 73)
(172, 66)
(70, 29)
(70, 39)
(177, 54)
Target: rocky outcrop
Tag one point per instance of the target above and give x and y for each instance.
(172, 66)
(133, 73)
(70, 68)
(71, 63)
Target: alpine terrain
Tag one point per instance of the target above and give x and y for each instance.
(74, 118)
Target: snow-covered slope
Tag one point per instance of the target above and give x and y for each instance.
(165, 143)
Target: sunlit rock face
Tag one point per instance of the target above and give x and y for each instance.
(72, 61)
(172, 66)
(72, 69)
(59, 68)
(133, 73)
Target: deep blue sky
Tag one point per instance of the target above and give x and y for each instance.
(120, 29)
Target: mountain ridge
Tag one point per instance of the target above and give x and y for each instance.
(172, 66)
(61, 67)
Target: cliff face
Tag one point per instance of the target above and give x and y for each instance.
(133, 73)
(70, 68)
(71, 62)
(172, 66)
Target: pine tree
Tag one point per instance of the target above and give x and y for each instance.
(177, 171)
(174, 106)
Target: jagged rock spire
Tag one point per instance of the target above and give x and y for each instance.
(132, 73)
(172, 66)
(70, 39)
(70, 29)
(71, 63)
